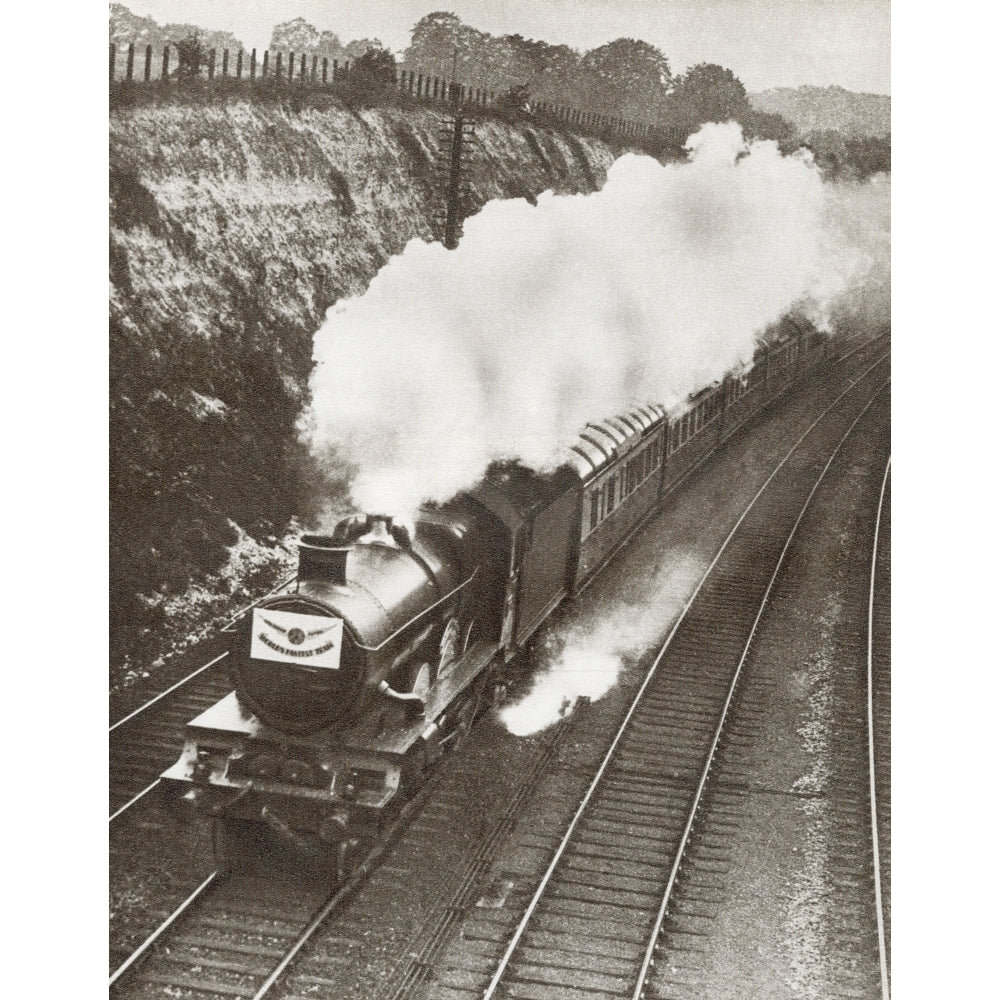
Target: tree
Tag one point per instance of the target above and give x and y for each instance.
(767, 125)
(829, 149)
(627, 78)
(297, 35)
(192, 54)
(708, 93)
(377, 65)
(869, 154)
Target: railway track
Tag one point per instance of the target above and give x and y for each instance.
(188, 955)
(143, 746)
(791, 909)
(236, 935)
(143, 743)
(594, 919)
(147, 740)
(228, 939)
(879, 721)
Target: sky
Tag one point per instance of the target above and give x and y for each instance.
(767, 43)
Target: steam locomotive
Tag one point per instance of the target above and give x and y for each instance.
(352, 681)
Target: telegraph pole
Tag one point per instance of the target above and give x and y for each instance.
(456, 133)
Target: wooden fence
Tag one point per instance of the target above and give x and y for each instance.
(134, 64)
(141, 64)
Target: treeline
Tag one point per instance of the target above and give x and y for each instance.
(626, 80)
(843, 156)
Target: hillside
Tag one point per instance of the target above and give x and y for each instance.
(234, 226)
(812, 109)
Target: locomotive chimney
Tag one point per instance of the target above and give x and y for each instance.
(323, 558)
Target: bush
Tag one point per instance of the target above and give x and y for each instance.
(377, 65)
(192, 55)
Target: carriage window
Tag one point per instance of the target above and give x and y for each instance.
(595, 512)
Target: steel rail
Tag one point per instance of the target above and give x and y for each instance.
(532, 905)
(163, 694)
(155, 936)
(651, 948)
(229, 622)
(856, 350)
(879, 915)
(355, 879)
(135, 798)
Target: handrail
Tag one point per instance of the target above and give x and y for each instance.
(420, 614)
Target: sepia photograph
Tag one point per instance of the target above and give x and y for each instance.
(499, 478)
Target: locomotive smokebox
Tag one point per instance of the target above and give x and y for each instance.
(321, 557)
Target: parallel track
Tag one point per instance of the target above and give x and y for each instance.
(220, 942)
(174, 711)
(143, 743)
(781, 883)
(879, 722)
(227, 940)
(147, 744)
(598, 908)
(614, 881)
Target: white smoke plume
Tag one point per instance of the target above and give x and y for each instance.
(547, 316)
(584, 660)
(853, 289)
